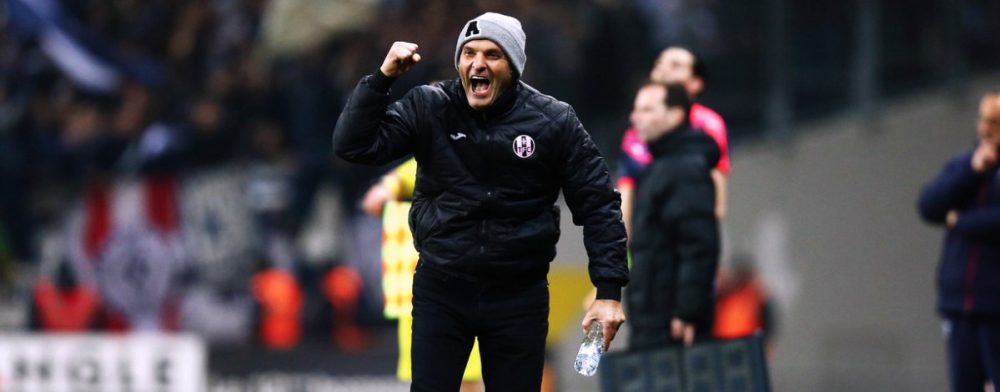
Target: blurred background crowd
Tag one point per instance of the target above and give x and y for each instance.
(166, 164)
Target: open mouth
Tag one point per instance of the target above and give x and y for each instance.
(479, 86)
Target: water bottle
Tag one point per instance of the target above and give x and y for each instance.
(590, 350)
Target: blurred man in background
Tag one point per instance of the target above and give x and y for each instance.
(965, 198)
(743, 307)
(675, 239)
(494, 154)
(676, 65)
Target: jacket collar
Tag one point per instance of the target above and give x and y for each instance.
(671, 141)
(504, 103)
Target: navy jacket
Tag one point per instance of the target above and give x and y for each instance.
(487, 181)
(969, 274)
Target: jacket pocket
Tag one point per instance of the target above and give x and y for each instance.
(418, 221)
(435, 216)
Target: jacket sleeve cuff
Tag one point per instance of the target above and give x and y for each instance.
(609, 290)
(380, 83)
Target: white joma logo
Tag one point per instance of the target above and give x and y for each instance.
(456, 136)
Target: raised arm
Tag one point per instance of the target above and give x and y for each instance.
(372, 131)
(952, 188)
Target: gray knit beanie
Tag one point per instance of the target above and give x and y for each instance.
(502, 29)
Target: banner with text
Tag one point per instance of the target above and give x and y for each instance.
(104, 363)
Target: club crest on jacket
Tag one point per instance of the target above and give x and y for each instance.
(524, 146)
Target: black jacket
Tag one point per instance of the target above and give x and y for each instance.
(487, 181)
(675, 240)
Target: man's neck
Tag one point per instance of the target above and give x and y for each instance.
(665, 132)
(503, 103)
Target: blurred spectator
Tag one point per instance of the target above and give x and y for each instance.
(63, 302)
(213, 140)
(681, 66)
(963, 199)
(342, 287)
(268, 186)
(675, 233)
(742, 306)
(280, 298)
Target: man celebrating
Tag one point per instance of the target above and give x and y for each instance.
(675, 241)
(493, 154)
(965, 198)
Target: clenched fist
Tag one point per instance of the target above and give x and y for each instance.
(401, 57)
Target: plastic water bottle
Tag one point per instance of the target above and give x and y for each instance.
(590, 350)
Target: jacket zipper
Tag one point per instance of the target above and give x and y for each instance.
(482, 235)
(970, 279)
(973, 261)
(489, 170)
